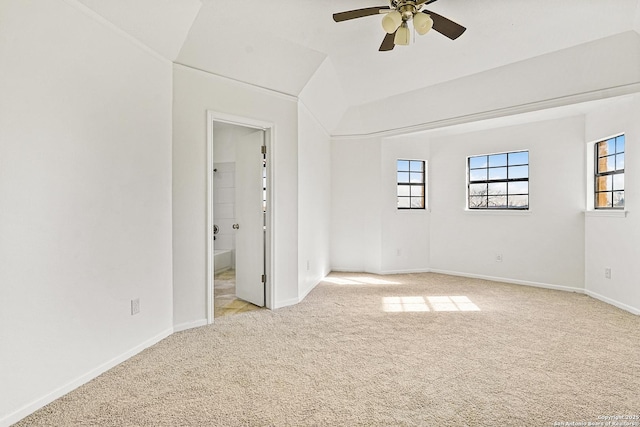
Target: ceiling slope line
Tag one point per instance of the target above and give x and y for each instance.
(562, 101)
(90, 13)
(270, 91)
(313, 116)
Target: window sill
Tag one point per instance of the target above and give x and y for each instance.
(606, 213)
(413, 211)
(499, 212)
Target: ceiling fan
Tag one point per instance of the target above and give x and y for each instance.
(396, 21)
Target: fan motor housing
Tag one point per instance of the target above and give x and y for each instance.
(407, 11)
(406, 8)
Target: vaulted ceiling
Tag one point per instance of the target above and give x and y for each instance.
(279, 44)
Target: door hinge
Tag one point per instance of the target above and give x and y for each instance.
(264, 278)
(263, 149)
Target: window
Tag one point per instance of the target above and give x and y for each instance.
(411, 184)
(609, 176)
(499, 181)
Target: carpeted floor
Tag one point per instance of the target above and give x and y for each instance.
(402, 350)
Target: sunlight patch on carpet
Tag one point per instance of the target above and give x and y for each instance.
(420, 304)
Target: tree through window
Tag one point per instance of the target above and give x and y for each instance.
(499, 181)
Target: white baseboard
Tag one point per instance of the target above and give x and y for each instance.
(419, 270)
(313, 285)
(613, 302)
(30, 408)
(347, 270)
(507, 280)
(303, 295)
(189, 325)
(286, 302)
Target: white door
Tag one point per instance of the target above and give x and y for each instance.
(249, 226)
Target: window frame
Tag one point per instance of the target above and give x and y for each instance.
(597, 174)
(422, 184)
(506, 181)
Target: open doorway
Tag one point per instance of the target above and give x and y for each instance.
(238, 240)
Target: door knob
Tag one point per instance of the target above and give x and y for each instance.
(235, 226)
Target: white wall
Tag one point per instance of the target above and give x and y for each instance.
(612, 242)
(314, 202)
(368, 232)
(195, 92)
(356, 205)
(544, 245)
(85, 190)
(405, 233)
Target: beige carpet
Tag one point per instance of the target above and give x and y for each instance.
(447, 352)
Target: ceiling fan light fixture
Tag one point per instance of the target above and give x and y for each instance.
(422, 22)
(392, 21)
(403, 36)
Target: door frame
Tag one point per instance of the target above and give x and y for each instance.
(269, 136)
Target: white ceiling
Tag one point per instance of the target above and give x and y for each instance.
(279, 44)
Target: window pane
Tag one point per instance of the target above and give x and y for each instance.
(498, 160)
(477, 202)
(403, 165)
(403, 177)
(417, 191)
(417, 177)
(620, 144)
(620, 161)
(603, 149)
(477, 189)
(488, 181)
(499, 188)
(416, 166)
(477, 162)
(618, 182)
(606, 148)
(602, 165)
(603, 183)
(521, 187)
(519, 202)
(498, 173)
(404, 202)
(618, 199)
(517, 172)
(417, 202)
(497, 201)
(478, 174)
(521, 158)
(603, 200)
(403, 190)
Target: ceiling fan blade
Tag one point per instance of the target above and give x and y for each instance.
(445, 26)
(358, 13)
(388, 43)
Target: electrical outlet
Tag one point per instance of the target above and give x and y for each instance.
(607, 273)
(498, 257)
(135, 306)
